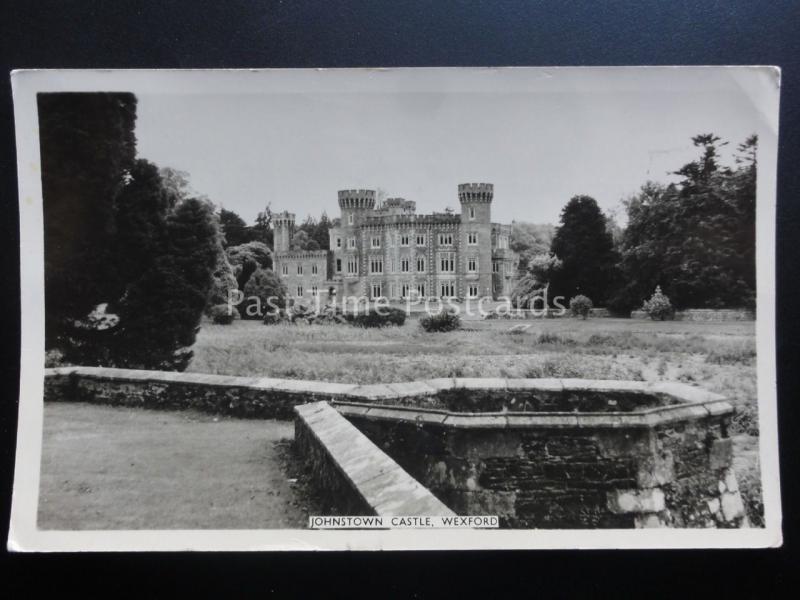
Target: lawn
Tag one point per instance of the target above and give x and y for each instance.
(166, 470)
(720, 357)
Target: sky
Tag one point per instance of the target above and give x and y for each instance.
(538, 144)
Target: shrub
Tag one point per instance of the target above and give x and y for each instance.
(222, 314)
(580, 306)
(444, 321)
(266, 286)
(381, 317)
(658, 307)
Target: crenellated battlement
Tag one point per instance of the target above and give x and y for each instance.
(357, 199)
(283, 218)
(475, 192)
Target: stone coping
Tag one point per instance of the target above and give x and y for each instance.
(647, 418)
(381, 483)
(686, 395)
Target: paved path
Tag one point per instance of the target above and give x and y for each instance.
(120, 468)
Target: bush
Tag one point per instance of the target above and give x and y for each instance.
(580, 306)
(658, 307)
(222, 314)
(267, 287)
(381, 317)
(444, 321)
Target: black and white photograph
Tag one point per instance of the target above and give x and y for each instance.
(415, 308)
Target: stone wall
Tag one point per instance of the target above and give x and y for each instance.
(705, 314)
(665, 466)
(353, 475)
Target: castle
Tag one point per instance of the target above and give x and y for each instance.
(391, 252)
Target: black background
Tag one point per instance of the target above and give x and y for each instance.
(236, 33)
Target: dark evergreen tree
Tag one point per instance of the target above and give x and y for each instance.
(234, 228)
(586, 249)
(161, 311)
(87, 145)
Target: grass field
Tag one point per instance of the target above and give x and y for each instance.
(165, 470)
(720, 357)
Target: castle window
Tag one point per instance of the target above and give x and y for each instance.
(405, 265)
(352, 266)
(338, 265)
(351, 242)
(448, 289)
(285, 269)
(447, 262)
(376, 290)
(503, 242)
(376, 242)
(404, 289)
(404, 239)
(473, 291)
(420, 239)
(495, 267)
(472, 238)
(472, 264)
(338, 242)
(314, 290)
(445, 239)
(471, 213)
(314, 269)
(420, 264)
(299, 269)
(350, 219)
(299, 290)
(421, 289)
(376, 265)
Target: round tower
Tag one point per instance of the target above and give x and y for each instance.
(476, 202)
(284, 228)
(354, 203)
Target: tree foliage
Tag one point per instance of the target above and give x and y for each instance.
(529, 240)
(87, 145)
(246, 258)
(161, 310)
(586, 249)
(129, 254)
(696, 239)
(263, 289)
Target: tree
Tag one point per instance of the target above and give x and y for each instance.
(87, 145)
(234, 228)
(160, 312)
(265, 285)
(535, 282)
(529, 240)
(586, 250)
(262, 230)
(695, 239)
(246, 258)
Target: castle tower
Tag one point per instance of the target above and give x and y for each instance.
(476, 202)
(353, 204)
(476, 238)
(284, 229)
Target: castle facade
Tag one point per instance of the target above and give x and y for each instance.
(391, 252)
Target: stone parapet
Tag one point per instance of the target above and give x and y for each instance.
(353, 475)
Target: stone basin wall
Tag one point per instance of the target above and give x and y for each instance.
(669, 466)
